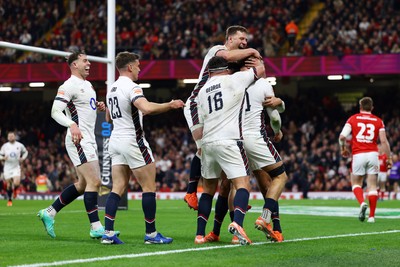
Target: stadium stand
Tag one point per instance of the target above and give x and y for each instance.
(331, 27)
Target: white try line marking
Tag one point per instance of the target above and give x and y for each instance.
(167, 252)
(36, 212)
(382, 213)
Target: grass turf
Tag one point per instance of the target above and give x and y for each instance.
(310, 240)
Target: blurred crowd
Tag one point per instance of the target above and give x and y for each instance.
(346, 27)
(309, 148)
(186, 29)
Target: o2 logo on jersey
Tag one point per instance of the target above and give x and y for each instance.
(106, 129)
(13, 155)
(93, 103)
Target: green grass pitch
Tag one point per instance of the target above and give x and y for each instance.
(323, 237)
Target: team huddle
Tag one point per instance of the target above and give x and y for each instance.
(226, 114)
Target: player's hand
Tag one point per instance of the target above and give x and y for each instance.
(389, 163)
(100, 105)
(256, 54)
(252, 62)
(345, 153)
(175, 104)
(278, 137)
(272, 102)
(75, 134)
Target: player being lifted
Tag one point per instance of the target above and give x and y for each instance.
(234, 49)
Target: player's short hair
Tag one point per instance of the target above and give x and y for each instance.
(235, 66)
(124, 58)
(217, 64)
(74, 56)
(366, 103)
(233, 30)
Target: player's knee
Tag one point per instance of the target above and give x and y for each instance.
(225, 188)
(80, 187)
(96, 183)
(148, 186)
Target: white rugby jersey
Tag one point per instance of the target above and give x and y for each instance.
(254, 121)
(127, 119)
(79, 98)
(221, 105)
(211, 53)
(13, 152)
(203, 77)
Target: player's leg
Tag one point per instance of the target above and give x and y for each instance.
(234, 161)
(68, 195)
(120, 179)
(240, 203)
(359, 162)
(205, 205)
(231, 209)
(372, 196)
(77, 155)
(194, 177)
(3, 186)
(395, 188)
(90, 171)
(356, 184)
(195, 126)
(146, 176)
(272, 180)
(195, 170)
(221, 208)
(372, 184)
(16, 182)
(9, 191)
(391, 187)
(381, 186)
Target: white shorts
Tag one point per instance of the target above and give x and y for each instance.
(85, 151)
(11, 173)
(228, 156)
(382, 177)
(365, 163)
(260, 152)
(191, 113)
(126, 151)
